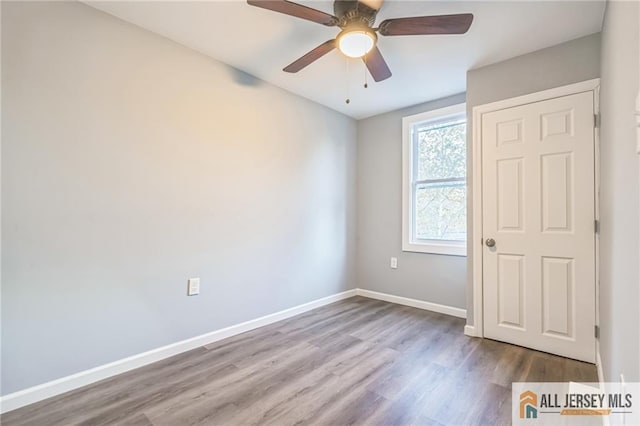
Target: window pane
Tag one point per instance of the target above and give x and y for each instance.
(441, 151)
(440, 212)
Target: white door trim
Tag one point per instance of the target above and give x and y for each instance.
(476, 239)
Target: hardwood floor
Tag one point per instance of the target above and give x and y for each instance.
(358, 361)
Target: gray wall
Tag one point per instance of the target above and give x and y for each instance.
(433, 278)
(620, 211)
(571, 62)
(566, 63)
(130, 164)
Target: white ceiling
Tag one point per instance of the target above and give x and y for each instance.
(261, 43)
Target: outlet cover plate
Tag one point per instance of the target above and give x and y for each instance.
(193, 287)
(394, 263)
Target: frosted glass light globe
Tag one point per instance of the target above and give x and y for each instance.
(356, 44)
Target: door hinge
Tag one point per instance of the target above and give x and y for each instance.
(596, 121)
(596, 331)
(596, 226)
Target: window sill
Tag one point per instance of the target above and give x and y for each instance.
(449, 249)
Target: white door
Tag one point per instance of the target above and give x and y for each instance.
(538, 202)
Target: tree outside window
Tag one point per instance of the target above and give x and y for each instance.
(434, 182)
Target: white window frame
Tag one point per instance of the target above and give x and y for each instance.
(409, 243)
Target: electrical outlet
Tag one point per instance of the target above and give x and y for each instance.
(193, 287)
(394, 263)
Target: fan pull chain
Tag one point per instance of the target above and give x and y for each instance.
(347, 101)
(365, 72)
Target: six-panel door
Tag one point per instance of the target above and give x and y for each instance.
(538, 205)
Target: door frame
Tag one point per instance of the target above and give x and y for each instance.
(476, 245)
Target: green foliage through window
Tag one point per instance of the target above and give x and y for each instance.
(439, 181)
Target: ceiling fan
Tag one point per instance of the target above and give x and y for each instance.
(358, 36)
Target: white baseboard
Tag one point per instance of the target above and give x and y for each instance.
(65, 384)
(56, 387)
(470, 331)
(420, 304)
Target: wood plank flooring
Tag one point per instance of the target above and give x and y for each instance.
(358, 361)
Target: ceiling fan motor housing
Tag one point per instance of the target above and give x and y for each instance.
(352, 12)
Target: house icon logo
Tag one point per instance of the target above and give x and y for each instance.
(528, 405)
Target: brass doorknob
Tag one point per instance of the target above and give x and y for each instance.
(491, 242)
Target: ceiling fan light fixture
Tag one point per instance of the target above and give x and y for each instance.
(358, 38)
(356, 43)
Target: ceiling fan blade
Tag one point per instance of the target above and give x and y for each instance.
(424, 25)
(311, 56)
(376, 65)
(297, 10)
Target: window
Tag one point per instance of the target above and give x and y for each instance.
(434, 211)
